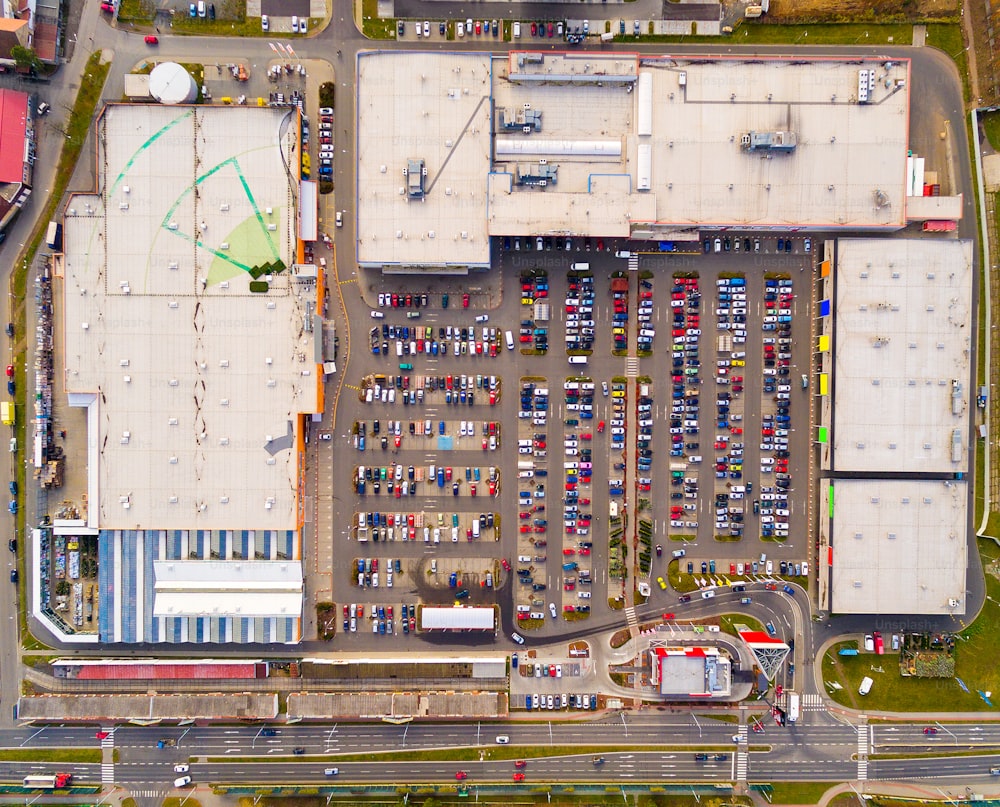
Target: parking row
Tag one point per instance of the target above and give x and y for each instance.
(433, 528)
(420, 340)
(578, 470)
(382, 618)
(439, 479)
(772, 506)
(533, 333)
(686, 390)
(731, 314)
(532, 472)
(579, 304)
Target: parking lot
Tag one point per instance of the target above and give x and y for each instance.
(449, 404)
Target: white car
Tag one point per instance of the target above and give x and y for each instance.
(182, 768)
(427, 28)
(552, 609)
(769, 567)
(265, 24)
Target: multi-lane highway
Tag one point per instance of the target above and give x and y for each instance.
(828, 748)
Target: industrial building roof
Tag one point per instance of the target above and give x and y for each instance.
(194, 379)
(898, 545)
(612, 145)
(423, 153)
(903, 336)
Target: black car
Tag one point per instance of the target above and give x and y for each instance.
(702, 757)
(684, 598)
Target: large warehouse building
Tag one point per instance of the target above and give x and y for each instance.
(897, 331)
(456, 148)
(190, 345)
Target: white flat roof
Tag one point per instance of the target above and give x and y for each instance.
(227, 588)
(460, 618)
(697, 112)
(899, 546)
(436, 108)
(576, 169)
(194, 383)
(902, 340)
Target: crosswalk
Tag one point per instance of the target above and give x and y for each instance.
(632, 366)
(154, 794)
(813, 702)
(742, 753)
(863, 744)
(633, 263)
(107, 744)
(631, 618)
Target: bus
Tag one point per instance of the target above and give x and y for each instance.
(793, 707)
(48, 782)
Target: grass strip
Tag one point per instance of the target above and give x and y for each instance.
(485, 753)
(50, 754)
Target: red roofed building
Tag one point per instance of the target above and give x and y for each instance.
(17, 151)
(691, 672)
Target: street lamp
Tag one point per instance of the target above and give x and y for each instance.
(863, 36)
(800, 36)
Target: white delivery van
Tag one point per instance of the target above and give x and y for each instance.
(509, 337)
(475, 527)
(580, 267)
(866, 686)
(577, 359)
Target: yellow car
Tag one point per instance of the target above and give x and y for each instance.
(662, 582)
(527, 301)
(739, 363)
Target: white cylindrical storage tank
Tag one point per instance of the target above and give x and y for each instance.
(169, 83)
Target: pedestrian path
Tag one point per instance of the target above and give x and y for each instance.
(108, 740)
(633, 263)
(632, 366)
(108, 773)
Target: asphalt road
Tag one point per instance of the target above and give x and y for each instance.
(827, 746)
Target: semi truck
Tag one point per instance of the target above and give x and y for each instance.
(48, 781)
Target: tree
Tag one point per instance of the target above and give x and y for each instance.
(26, 57)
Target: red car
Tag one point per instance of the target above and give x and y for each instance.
(930, 730)
(465, 300)
(460, 775)
(525, 528)
(505, 564)
(600, 427)
(584, 551)
(519, 777)
(151, 40)
(569, 551)
(10, 371)
(668, 616)
(534, 29)
(520, 764)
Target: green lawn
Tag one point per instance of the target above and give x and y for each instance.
(798, 792)
(991, 125)
(975, 664)
(92, 755)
